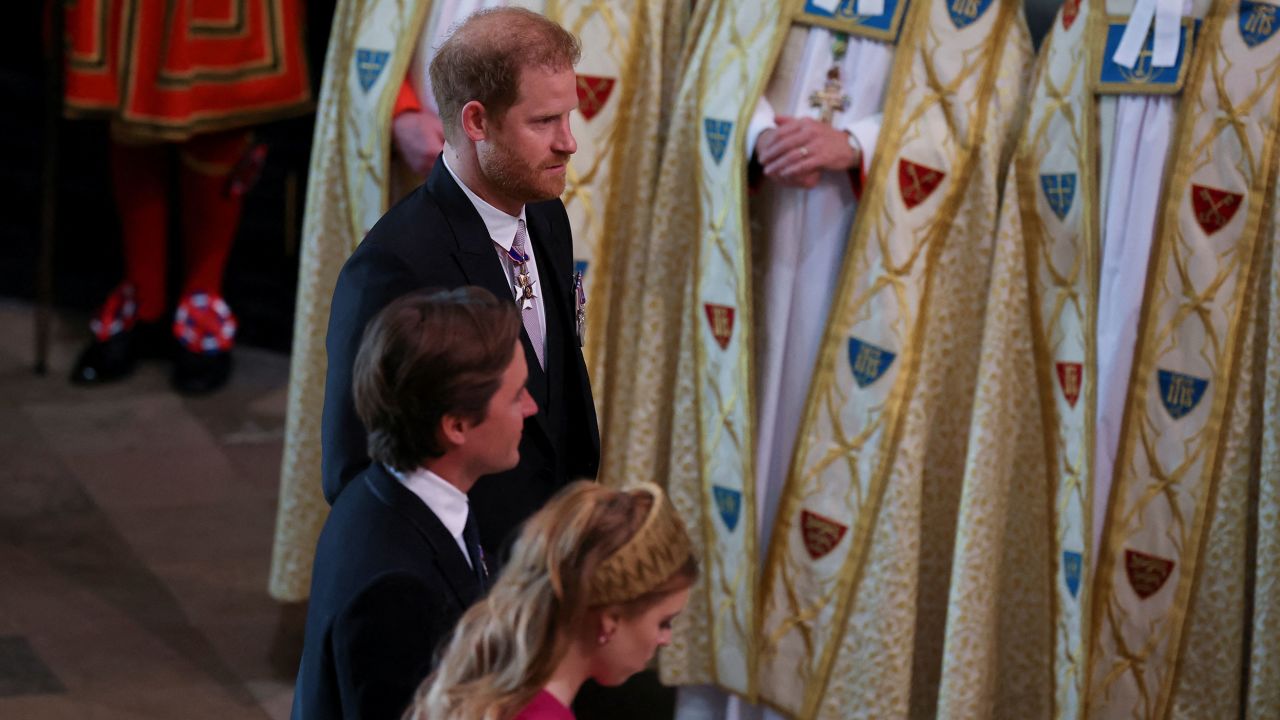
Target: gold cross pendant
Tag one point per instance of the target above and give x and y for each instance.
(830, 98)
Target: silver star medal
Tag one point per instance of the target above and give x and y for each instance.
(524, 290)
(581, 316)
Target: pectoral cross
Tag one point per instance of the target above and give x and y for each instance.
(830, 98)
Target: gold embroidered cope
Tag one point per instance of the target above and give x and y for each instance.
(1188, 559)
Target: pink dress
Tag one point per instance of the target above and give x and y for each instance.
(544, 706)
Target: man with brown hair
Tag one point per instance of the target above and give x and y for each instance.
(488, 215)
(399, 558)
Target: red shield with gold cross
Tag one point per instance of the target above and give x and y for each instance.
(1147, 573)
(821, 534)
(917, 182)
(720, 320)
(593, 93)
(1070, 9)
(1069, 375)
(1214, 208)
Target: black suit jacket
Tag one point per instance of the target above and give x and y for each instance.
(389, 584)
(434, 238)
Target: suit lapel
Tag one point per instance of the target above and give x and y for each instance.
(478, 259)
(553, 278)
(462, 580)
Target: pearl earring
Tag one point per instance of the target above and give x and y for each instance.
(603, 639)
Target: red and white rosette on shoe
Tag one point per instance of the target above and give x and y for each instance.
(204, 323)
(118, 313)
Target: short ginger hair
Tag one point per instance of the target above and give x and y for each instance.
(484, 56)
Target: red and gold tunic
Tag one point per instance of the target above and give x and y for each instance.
(169, 70)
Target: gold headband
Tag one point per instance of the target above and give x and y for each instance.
(657, 550)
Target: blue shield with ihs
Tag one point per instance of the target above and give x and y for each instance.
(966, 12)
(1180, 393)
(729, 505)
(1257, 22)
(868, 362)
(1059, 191)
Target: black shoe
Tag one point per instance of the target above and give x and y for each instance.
(200, 373)
(106, 360)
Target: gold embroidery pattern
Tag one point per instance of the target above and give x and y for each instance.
(861, 455)
(1170, 469)
(1062, 261)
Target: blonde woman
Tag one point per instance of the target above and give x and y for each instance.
(590, 591)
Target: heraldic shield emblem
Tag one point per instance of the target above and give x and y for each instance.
(1069, 376)
(917, 182)
(1070, 11)
(1071, 566)
(1147, 573)
(966, 12)
(1180, 393)
(1257, 22)
(718, 133)
(720, 321)
(1059, 191)
(728, 504)
(369, 65)
(593, 93)
(821, 534)
(868, 362)
(1214, 208)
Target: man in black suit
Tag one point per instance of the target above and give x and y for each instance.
(489, 215)
(399, 559)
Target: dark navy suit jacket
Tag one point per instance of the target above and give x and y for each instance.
(389, 585)
(434, 238)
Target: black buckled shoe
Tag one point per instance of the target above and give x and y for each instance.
(106, 360)
(200, 373)
(205, 329)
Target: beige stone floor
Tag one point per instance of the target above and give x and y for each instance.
(135, 536)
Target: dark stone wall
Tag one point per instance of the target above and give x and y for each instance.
(262, 272)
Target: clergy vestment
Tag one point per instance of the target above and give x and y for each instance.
(354, 178)
(1117, 544)
(815, 641)
(800, 249)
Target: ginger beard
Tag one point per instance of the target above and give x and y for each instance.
(515, 177)
(525, 151)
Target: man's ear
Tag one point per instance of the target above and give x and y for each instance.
(453, 430)
(475, 121)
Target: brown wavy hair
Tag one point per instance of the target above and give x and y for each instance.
(506, 647)
(428, 354)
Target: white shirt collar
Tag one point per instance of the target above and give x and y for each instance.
(501, 226)
(448, 503)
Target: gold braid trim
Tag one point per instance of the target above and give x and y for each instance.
(659, 548)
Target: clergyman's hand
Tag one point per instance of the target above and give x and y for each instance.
(419, 138)
(799, 150)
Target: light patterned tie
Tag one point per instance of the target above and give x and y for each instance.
(529, 311)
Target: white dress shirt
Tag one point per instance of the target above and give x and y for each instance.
(502, 230)
(448, 503)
